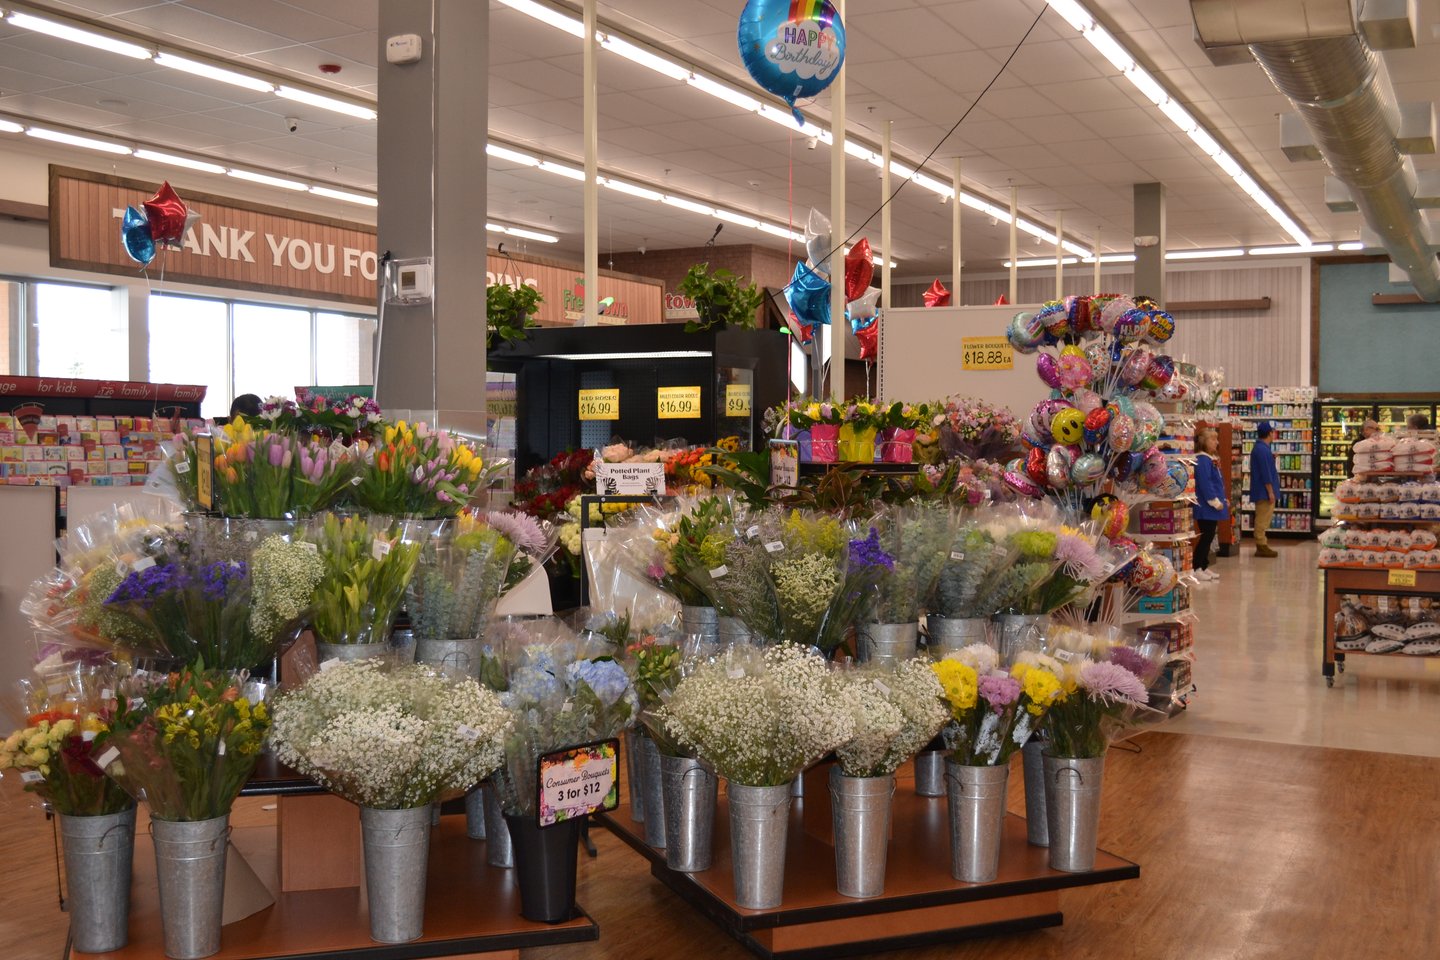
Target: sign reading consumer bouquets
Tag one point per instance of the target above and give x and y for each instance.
(578, 781)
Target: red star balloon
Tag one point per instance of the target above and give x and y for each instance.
(166, 213)
(859, 270)
(937, 295)
(867, 338)
(1001, 300)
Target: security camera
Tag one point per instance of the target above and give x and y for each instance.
(642, 249)
(813, 143)
(292, 124)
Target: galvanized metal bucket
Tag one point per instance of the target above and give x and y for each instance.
(1037, 828)
(977, 817)
(888, 642)
(397, 850)
(690, 790)
(759, 822)
(1072, 811)
(733, 630)
(475, 813)
(653, 787)
(349, 651)
(1016, 633)
(499, 852)
(703, 622)
(190, 868)
(930, 773)
(98, 854)
(950, 634)
(860, 809)
(635, 771)
(453, 658)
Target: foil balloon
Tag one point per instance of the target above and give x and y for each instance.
(1122, 404)
(1159, 373)
(1125, 464)
(1097, 424)
(864, 309)
(1132, 326)
(1112, 514)
(1082, 316)
(1146, 434)
(1153, 467)
(1036, 434)
(192, 217)
(166, 213)
(1058, 463)
(1133, 370)
(1122, 432)
(1144, 410)
(1068, 426)
(817, 242)
(1048, 370)
(1056, 318)
(859, 270)
(937, 295)
(1178, 477)
(1025, 332)
(1087, 400)
(135, 236)
(869, 337)
(1099, 359)
(1089, 468)
(809, 296)
(1015, 465)
(1111, 313)
(793, 48)
(1176, 389)
(1023, 485)
(1035, 464)
(1074, 371)
(1162, 326)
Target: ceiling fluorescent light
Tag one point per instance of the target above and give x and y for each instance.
(1178, 115)
(860, 151)
(644, 57)
(1350, 245)
(1205, 142)
(1071, 247)
(722, 92)
(690, 205)
(787, 120)
(532, 235)
(57, 136)
(783, 233)
(1298, 248)
(564, 170)
(347, 196)
(927, 182)
(972, 201)
(211, 72)
(550, 15)
(645, 193)
(495, 228)
(1111, 258)
(268, 180)
(739, 218)
(1027, 227)
(1109, 48)
(1203, 254)
(1227, 163)
(1147, 85)
(1075, 14)
(64, 31)
(514, 156)
(9, 126)
(325, 103)
(999, 213)
(898, 169)
(174, 161)
(1041, 262)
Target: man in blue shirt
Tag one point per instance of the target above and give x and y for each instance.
(1264, 482)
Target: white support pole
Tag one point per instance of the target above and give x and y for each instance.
(592, 185)
(1014, 243)
(885, 292)
(955, 260)
(1059, 255)
(1097, 259)
(836, 333)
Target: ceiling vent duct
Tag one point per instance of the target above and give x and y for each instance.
(1319, 54)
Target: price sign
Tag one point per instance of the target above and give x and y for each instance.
(737, 399)
(986, 353)
(678, 403)
(578, 781)
(784, 463)
(1401, 578)
(600, 404)
(205, 472)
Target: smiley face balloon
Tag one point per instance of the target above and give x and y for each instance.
(1068, 426)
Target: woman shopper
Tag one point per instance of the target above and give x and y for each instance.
(1211, 505)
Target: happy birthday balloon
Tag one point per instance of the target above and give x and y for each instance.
(1132, 326)
(1025, 331)
(1048, 369)
(1058, 463)
(1088, 468)
(793, 48)
(1099, 359)
(1056, 318)
(1176, 389)
(1159, 373)
(1134, 367)
(1111, 313)
(1153, 467)
(859, 269)
(1068, 426)
(1162, 326)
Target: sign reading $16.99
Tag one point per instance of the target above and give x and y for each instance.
(986, 353)
(600, 404)
(678, 403)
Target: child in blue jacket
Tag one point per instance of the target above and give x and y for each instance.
(1211, 505)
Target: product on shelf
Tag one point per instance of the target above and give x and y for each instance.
(1384, 624)
(1290, 411)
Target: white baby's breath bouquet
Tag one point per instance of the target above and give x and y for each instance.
(761, 717)
(897, 712)
(390, 736)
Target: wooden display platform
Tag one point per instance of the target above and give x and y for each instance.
(471, 910)
(922, 903)
(1342, 580)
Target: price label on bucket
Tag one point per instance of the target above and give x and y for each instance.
(578, 781)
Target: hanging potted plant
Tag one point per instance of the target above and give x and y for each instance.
(720, 299)
(509, 312)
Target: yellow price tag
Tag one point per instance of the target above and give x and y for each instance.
(1401, 578)
(205, 472)
(678, 403)
(501, 408)
(600, 404)
(737, 399)
(986, 353)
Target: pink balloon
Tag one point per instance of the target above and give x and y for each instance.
(1113, 311)
(1088, 400)
(1023, 484)
(1074, 372)
(1122, 431)
(1135, 366)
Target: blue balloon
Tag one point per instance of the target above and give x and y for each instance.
(793, 48)
(135, 235)
(809, 296)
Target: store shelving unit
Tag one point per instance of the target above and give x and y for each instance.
(1290, 411)
(922, 903)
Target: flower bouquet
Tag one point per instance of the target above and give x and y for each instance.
(344, 418)
(535, 543)
(731, 567)
(860, 421)
(917, 536)
(974, 429)
(971, 483)
(458, 580)
(544, 491)
(663, 543)
(193, 613)
(900, 424)
(414, 471)
(368, 563)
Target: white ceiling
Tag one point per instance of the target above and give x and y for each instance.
(1060, 123)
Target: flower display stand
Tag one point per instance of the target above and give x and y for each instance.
(312, 864)
(921, 904)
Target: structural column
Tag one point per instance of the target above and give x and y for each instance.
(956, 260)
(430, 148)
(1150, 258)
(838, 328)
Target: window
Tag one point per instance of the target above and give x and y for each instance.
(190, 343)
(272, 349)
(344, 349)
(80, 332)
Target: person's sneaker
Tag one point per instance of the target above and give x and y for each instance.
(1213, 574)
(1265, 551)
